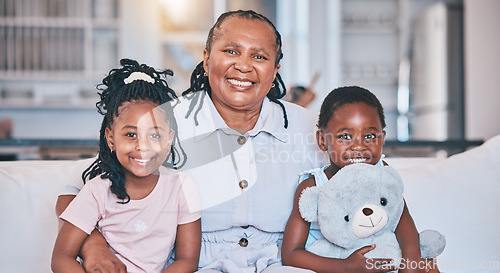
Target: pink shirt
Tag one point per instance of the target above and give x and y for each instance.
(142, 232)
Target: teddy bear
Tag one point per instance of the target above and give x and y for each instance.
(361, 205)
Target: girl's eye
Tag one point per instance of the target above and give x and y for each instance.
(130, 135)
(155, 136)
(370, 136)
(345, 136)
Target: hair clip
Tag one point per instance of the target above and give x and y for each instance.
(135, 76)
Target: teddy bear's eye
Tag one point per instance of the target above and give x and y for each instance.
(346, 218)
(383, 201)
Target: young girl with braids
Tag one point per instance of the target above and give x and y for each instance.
(140, 207)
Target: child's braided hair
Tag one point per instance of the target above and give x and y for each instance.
(114, 92)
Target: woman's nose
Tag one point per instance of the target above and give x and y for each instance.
(243, 64)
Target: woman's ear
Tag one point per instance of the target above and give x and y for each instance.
(276, 71)
(206, 54)
(321, 139)
(109, 139)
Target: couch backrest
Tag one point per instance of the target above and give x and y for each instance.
(28, 193)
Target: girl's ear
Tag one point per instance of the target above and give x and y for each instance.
(171, 136)
(109, 138)
(321, 139)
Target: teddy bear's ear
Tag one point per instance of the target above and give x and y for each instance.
(308, 204)
(392, 172)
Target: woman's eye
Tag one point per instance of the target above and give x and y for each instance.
(260, 57)
(230, 51)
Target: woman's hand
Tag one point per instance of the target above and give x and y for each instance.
(97, 257)
(357, 262)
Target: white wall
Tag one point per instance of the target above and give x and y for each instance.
(482, 68)
(310, 30)
(140, 33)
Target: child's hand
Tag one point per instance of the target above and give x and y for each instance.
(357, 262)
(419, 266)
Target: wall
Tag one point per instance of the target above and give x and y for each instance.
(482, 68)
(310, 31)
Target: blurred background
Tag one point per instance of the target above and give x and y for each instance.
(433, 64)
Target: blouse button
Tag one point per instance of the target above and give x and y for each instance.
(243, 184)
(241, 140)
(243, 242)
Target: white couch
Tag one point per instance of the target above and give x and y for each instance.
(458, 196)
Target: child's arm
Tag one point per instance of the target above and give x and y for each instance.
(68, 243)
(187, 248)
(407, 236)
(293, 251)
(95, 252)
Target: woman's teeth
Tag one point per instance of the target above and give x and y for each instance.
(239, 83)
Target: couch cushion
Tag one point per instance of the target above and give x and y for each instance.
(459, 197)
(28, 193)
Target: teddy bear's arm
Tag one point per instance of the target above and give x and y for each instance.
(324, 248)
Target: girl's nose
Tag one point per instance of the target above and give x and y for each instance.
(142, 144)
(358, 143)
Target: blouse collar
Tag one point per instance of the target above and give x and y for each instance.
(270, 121)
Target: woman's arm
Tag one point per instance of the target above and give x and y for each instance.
(68, 243)
(293, 251)
(95, 252)
(62, 203)
(187, 248)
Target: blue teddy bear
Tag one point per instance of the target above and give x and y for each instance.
(361, 205)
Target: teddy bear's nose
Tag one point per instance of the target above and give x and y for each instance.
(367, 211)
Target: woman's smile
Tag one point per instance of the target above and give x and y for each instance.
(241, 67)
(240, 83)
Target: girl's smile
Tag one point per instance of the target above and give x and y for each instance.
(354, 134)
(141, 138)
